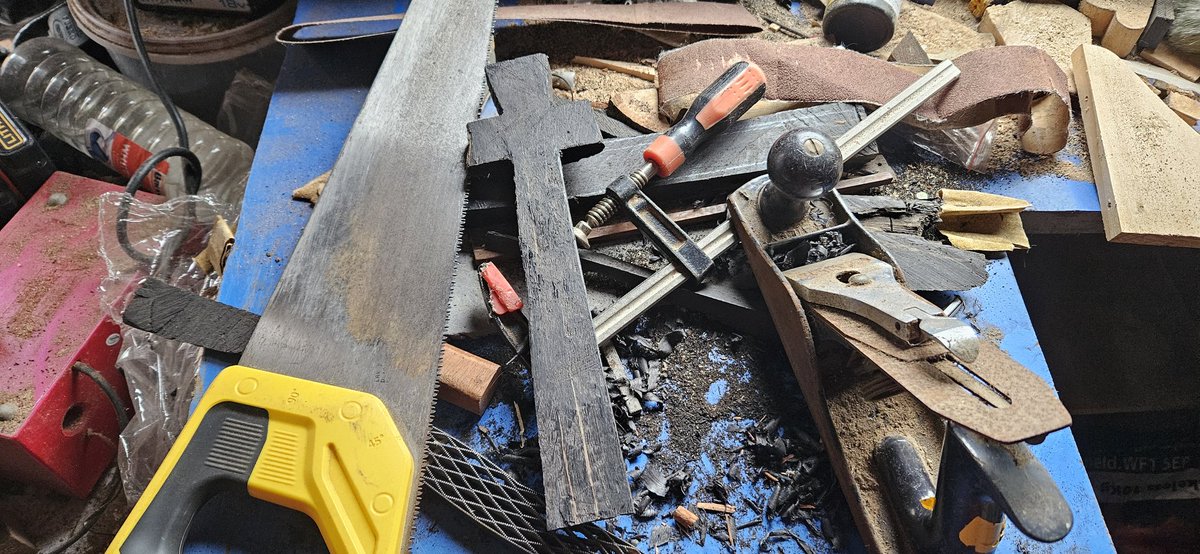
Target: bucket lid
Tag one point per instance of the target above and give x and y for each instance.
(196, 49)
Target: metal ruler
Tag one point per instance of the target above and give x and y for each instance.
(334, 419)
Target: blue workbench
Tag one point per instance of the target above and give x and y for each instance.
(319, 92)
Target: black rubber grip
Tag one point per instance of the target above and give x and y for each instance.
(220, 457)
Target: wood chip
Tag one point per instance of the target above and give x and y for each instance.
(629, 68)
(715, 507)
(685, 517)
(311, 190)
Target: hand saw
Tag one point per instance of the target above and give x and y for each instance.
(333, 421)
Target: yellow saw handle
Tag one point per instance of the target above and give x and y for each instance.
(332, 453)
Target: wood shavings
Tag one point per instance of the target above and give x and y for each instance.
(942, 38)
(598, 85)
(311, 191)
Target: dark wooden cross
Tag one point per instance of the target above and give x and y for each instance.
(582, 467)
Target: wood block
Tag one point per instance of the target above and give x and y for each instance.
(1185, 106)
(685, 517)
(466, 380)
(1186, 65)
(1119, 23)
(1143, 156)
(1056, 28)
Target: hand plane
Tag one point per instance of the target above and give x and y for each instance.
(833, 289)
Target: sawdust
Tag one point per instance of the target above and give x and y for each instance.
(23, 400)
(349, 268)
(941, 37)
(598, 85)
(1007, 154)
(863, 424)
(757, 378)
(1055, 28)
(956, 10)
(806, 25)
(30, 319)
(158, 24)
(641, 107)
(992, 333)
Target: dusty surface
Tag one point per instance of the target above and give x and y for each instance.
(1007, 153)
(157, 24)
(598, 85)
(1056, 28)
(942, 37)
(23, 401)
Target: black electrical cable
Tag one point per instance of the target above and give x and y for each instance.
(108, 390)
(191, 168)
(139, 45)
(87, 522)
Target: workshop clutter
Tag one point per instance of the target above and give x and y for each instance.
(105, 115)
(678, 271)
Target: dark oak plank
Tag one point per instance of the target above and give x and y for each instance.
(582, 467)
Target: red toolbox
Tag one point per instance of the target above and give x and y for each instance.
(57, 426)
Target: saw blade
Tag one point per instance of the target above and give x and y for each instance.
(363, 300)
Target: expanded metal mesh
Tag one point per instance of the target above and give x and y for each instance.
(510, 510)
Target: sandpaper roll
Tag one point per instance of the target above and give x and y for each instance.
(995, 81)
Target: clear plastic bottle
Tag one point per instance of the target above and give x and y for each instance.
(104, 114)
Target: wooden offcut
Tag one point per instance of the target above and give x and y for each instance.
(582, 466)
(466, 380)
(1143, 155)
(1186, 107)
(715, 507)
(1117, 23)
(1186, 65)
(685, 517)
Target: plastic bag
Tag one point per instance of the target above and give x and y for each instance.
(139, 240)
(970, 147)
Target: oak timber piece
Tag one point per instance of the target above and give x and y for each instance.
(582, 466)
(836, 396)
(467, 380)
(1144, 157)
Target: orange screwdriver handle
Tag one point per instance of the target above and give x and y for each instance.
(716, 108)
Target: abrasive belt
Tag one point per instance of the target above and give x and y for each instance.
(995, 81)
